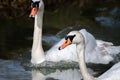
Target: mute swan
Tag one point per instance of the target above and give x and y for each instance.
(68, 54)
(75, 37)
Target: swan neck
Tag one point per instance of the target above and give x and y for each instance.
(81, 60)
(37, 50)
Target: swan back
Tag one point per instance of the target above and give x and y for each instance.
(93, 49)
(90, 42)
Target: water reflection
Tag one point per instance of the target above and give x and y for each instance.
(68, 74)
(12, 70)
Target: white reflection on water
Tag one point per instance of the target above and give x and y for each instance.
(69, 74)
(12, 70)
(59, 75)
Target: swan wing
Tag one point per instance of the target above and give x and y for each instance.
(112, 74)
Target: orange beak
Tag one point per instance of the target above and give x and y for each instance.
(65, 44)
(33, 11)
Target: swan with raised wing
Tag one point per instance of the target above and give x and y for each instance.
(68, 54)
(75, 37)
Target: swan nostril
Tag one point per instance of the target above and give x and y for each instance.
(65, 41)
(59, 48)
(32, 16)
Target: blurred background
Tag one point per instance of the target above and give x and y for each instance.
(99, 17)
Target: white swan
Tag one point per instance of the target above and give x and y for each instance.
(75, 37)
(69, 53)
(37, 50)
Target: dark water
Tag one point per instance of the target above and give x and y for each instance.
(16, 38)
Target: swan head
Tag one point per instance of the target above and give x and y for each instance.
(73, 37)
(35, 6)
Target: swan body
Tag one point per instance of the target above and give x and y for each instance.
(112, 73)
(68, 54)
(96, 51)
(79, 40)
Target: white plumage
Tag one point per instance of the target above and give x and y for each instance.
(96, 52)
